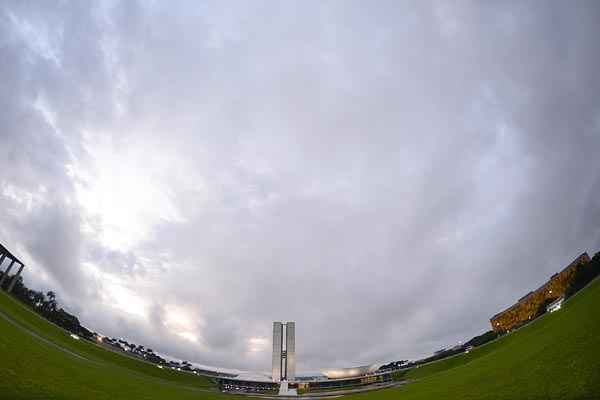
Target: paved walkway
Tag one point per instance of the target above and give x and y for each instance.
(369, 388)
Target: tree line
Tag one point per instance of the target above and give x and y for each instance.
(45, 304)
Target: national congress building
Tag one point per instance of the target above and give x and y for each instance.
(284, 351)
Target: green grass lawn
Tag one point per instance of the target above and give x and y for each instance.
(31, 368)
(555, 357)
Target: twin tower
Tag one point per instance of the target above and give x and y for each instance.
(284, 351)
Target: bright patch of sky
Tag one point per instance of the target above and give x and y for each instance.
(123, 190)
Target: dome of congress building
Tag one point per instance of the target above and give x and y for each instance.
(338, 373)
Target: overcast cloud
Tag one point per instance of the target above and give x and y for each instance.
(388, 175)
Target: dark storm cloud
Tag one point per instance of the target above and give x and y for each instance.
(387, 176)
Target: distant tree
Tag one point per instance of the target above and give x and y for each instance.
(584, 274)
(482, 339)
(542, 307)
(50, 305)
(38, 299)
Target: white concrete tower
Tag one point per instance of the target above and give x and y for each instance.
(277, 349)
(284, 351)
(290, 351)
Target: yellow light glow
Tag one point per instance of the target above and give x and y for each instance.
(124, 299)
(257, 344)
(182, 323)
(192, 337)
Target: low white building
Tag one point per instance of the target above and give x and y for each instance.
(555, 305)
(339, 373)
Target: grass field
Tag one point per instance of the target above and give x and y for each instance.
(556, 357)
(38, 367)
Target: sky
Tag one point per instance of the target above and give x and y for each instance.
(388, 175)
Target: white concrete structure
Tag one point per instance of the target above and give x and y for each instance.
(277, 348)
(4, 254)
(338, 373)
(284, 390)
(284, 352)
(290, 351)
(555, 305)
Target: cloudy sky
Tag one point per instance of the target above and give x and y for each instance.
(387, 175)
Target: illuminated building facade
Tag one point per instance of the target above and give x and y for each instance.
(529, 305)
